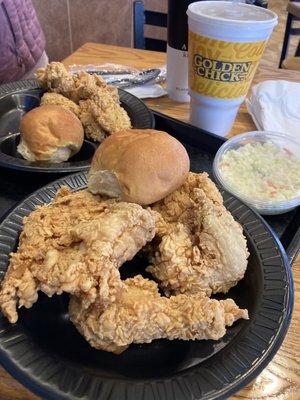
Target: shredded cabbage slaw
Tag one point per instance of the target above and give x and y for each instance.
(262, 171)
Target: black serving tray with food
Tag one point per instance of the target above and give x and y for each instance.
(21, 96)
(201, 146)
(50, 357)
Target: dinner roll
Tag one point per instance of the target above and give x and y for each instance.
(50, 133)
(140, 166)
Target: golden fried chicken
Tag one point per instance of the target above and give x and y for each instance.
(99, 109)
(75, 245)
(60, 100)
(55, 78)
(87, 85)
(179, 205)
(201, 248)
(100, 115)
(139, 314)
(92, 129)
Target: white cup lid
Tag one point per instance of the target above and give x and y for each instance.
(226, 13)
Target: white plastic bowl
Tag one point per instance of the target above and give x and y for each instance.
(264, 207)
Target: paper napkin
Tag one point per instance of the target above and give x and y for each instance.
(275, 106)
(149, 90)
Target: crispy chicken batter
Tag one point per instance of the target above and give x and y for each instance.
(87, 85)
(55, 78)
(92, 129)
(74, 245)
(60, 100)
(201, 247)
(100, 115)
(77, 243)
(139, 314)
(99, 109)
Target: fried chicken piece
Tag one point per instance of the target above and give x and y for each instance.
(179, 205)
(99, 109)
(139, 314)
(55, 78)
(74, 245)
(92, 129)
(201, 248)
(60, 100)
(100, 112)
(100, 115)
(88, 85)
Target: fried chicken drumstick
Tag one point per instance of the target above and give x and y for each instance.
(74, 245)
(139, 314)
(201, 248)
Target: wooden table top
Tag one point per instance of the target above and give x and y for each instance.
(280, 380)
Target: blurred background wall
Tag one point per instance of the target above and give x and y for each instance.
(68, 24)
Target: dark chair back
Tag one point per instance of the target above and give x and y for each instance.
(293, 15)
(143, 17)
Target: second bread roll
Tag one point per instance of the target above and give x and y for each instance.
(140, 166)
(50, 133)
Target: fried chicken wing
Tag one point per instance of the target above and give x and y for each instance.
(201, 248)
(139, 314)
(99, 109)
(75, 245)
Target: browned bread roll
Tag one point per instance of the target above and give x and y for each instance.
(50, 133)
(140, 166)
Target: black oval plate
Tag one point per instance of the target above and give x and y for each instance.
(17, 98)
(45, 352)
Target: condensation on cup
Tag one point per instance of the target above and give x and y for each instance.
(226, 42)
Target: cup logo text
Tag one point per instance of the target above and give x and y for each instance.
(222, 69)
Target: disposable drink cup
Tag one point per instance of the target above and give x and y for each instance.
(226, 42)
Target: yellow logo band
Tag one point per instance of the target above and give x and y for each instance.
(221, 69)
